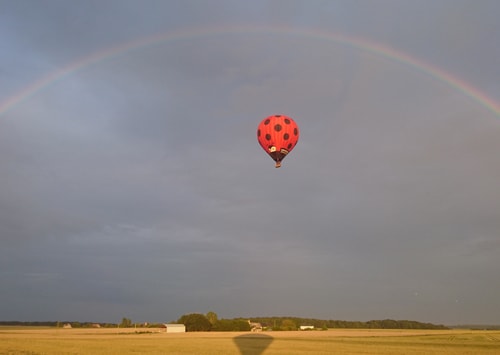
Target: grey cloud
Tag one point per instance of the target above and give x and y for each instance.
(138, 178)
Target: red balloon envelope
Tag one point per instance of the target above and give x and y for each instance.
(278, 135)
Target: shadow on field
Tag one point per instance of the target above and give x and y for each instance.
(252, 344)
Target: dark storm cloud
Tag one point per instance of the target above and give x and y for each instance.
(138, 178)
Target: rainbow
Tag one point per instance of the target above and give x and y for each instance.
(352, 41)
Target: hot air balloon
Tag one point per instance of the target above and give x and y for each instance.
(278, 135)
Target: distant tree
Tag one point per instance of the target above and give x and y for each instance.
(212, 317)
(288, 324)
(195, 322)
(231, 325)
(126, 323)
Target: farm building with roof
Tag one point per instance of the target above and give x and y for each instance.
(175, 328)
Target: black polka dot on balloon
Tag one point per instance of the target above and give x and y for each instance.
(277, 127)
(295, 131)
(289, 145)
(258, 133)
(268, 137)
(286, 136)
(266, 122)
(277, 115)
(287, 121)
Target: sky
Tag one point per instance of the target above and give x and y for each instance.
(132, 183)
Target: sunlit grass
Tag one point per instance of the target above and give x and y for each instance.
(19, 340)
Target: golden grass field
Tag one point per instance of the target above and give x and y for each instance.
(25, 340)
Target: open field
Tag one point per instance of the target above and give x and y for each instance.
(24, 340)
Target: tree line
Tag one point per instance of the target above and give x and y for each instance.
(125, 323)
(58, 324)
(276, 323)
(210, 322)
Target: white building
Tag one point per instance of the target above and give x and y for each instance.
(255, 327)
(306, 327)
(175, 328)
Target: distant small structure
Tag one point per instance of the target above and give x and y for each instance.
(67, 326)
(255, 327)
(306, 327)
(174, 328)
(96, 325)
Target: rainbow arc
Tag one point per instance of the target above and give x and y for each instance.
(356, 42)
